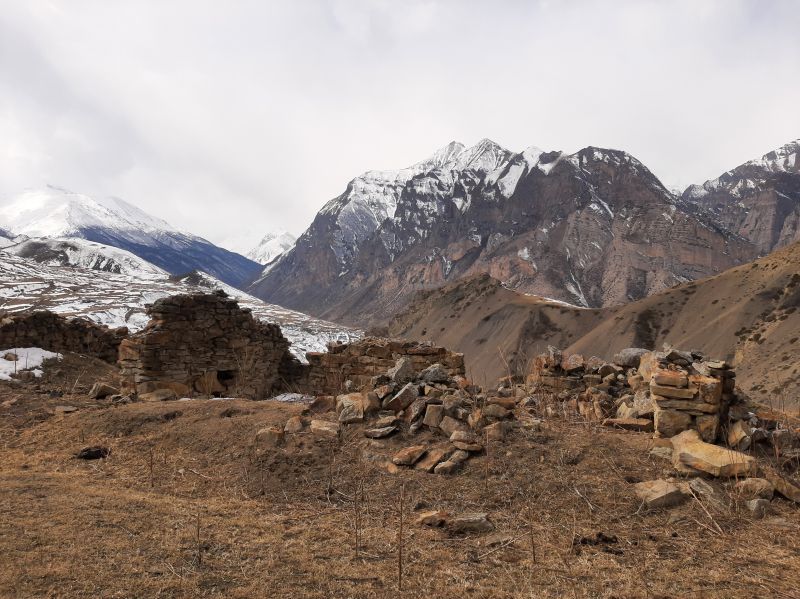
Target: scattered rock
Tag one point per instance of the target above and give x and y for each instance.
(404, 398)
(159, 395)
(325, 428)
(436, 373)
(754, 488)
(432, 459)
(433, 415)
(65, 409)
(322, 404)
(271, 436)
(350, 408)
(293, 425)
(658, 494)
(449, 425)
(402, 371)
(470, 523)
(740, 435)
(496, 432)
(783, 486)
(380, 433)
(758, 507)
(434, 518)
(630, 424)
(494, 410)
(93, 453)
(689, 450)
(409, 455)
(466, 441)
(102, 390)
(447, 467)
(629, 357)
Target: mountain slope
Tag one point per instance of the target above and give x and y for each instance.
(53, 212)
(595, 228)
(749, 315)
(759, 200)
(271, 246)
(74, 251)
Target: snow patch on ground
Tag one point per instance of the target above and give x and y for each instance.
(27, 359)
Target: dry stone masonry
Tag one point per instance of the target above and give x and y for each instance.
(53, 332)
(205, 344)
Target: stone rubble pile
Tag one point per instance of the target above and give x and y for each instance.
(405, 401)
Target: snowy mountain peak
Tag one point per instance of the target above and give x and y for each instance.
(273, 244)
(783, 159)
(485, 155)
(57, 212)
(441, 158)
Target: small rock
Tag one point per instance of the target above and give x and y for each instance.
(739, 435)
(658, 493)
(447, 467)
(433, 415)
(789, 489)
(470, 523)
(93, 453)
(432, 459)
(459, 456)
(293, 425)
(350, 408)
(404, 398)
(384, 421)
(671, 422)
(689, 450)
(159, 395)
(409, 455)
(754, 488)
(102, 390)
(466, 441)
(322, 404)
(629, 357)
(630, 424)
(325, 428)
(402, 372)
(670, 378)
(449, 425)
(434, 518)
(65, 409)
(758, 507)
(436, 373)
(496, 432)
(494, 410)
(271, 436)
(661, 452)
(380, 433)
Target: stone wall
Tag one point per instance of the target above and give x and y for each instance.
(666, 392)
(328, 373)
(52, 332)
(206, 344)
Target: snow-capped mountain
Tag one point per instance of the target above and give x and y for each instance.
(759, 199)
(272, 246)
(74, 251)
(56, 213)
(119, 299)
(592, 228)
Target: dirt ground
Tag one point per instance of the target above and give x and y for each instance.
(190, 504)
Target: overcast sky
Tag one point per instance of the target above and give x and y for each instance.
(230, 119)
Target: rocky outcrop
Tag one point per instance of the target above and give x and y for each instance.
(206, 344)
(594, 228)
(52, 332)
(759, 200)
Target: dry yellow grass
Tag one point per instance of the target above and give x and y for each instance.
(280, 522)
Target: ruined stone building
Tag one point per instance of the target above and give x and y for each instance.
(205, 344)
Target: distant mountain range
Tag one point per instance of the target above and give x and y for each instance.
(594, 228)
(53, 213)
(271, 246)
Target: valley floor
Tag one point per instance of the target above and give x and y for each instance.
(189, 505)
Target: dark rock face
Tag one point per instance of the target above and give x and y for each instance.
(594, 228)
(759, 200)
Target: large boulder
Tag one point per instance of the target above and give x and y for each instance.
(402, 371)
(689, 450)
(402, 399)
(629, 357)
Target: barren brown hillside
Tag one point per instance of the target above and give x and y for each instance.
(748, 315)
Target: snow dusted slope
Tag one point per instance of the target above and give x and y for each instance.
(74, 251)
(119, 299)
(594, 228)
(759, 200)
(54, 212)
(272, 246)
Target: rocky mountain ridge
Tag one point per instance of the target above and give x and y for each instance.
(593, 228)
